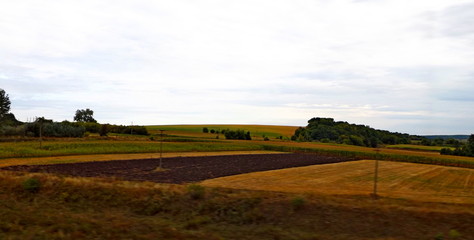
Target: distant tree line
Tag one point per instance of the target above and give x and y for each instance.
(83, 122)
(230, 134)
(327, 130)
(466, 149)
(207, 130)
(237, 134)
(441, 142)
(104, 129)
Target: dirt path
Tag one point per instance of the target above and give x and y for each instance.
(182, 169)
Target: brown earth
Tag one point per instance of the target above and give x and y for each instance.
(181, 169)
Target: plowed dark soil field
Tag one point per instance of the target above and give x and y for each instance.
(181, 169)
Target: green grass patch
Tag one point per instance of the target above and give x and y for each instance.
(269, 131)
(417, 147)
(65, 148)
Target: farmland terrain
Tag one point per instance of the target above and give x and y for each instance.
(184, 169)
(433, 200)
(395, 180)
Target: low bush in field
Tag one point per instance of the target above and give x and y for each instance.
(196, 192)
(297, 203)
(31, 185)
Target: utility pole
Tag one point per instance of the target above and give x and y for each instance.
(161, 147)
(376, 172)
(40, 121)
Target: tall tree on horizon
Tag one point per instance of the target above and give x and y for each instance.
(4, 103)
(84, 115)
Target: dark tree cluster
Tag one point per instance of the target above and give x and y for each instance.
(441, 142)
(84, 115)
(85, 118)
(462, 149)
(4, 103)
(213, 131)
(7, 119)
(237, 134)
(48, 128)
(104, 129)
(327, 130)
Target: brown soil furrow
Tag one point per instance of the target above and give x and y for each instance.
(182, 169)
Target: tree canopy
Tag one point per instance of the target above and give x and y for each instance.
(326, 130)
(84, 115)
(4, 103)
(466, 149)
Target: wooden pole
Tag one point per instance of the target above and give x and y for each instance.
(161, 147)
(41, 135)
(376, 173)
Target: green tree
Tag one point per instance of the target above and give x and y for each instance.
(84, 115)
(4, 103)
(470, 146)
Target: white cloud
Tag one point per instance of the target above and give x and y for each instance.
(240, 62)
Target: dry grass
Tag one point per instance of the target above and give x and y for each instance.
(396, 180)
(88, 208)
(109, 157)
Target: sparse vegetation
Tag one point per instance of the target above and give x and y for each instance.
(297, 203)
(196, 191)
(77, 208)
(31, 185)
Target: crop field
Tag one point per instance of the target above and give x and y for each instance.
(417, 201)
(416, 147)
(87, 147)
(373, 153)
(257, 131)
(191, 139)
(88, 208)
(396, 180)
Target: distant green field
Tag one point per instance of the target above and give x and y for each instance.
(81, 147)
(190, 138)
(416, 147)
(257, 131)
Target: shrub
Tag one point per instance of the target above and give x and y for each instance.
(197, 221)
(454, 234)
(205, 130)
(237, 134)
(196, 192)
(439, 236)
(297, 203)
(12, 130)
(31, 185)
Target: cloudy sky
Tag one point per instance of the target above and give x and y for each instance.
(400, 65)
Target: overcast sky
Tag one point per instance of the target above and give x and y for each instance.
(399, 65)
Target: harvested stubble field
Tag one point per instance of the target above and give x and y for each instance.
(181, 169)
(426, 183)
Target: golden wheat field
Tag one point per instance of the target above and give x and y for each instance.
(395, 180)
